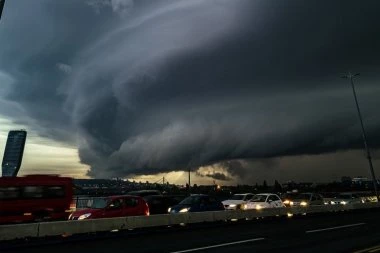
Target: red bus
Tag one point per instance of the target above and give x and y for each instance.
(35, 198)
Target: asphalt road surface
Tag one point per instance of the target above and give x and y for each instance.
(339, 232)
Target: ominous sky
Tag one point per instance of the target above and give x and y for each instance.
(235, 90)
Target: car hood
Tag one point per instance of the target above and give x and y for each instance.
(231, 202)
(177, 208)
(298, 200)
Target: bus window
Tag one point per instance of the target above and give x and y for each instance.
(10, 192)
(33, 192)
(54, 192)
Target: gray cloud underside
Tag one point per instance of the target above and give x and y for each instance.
(178, 84)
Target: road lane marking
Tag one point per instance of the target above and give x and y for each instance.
(371, 249)
(334, 228)
(219, 245)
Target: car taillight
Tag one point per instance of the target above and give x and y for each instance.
(147, 209)
(73, 205)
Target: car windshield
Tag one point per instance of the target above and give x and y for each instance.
(190, 200)
(237, 197)
(345, 196)
(259, 198)
(304, 196)
(97, 203)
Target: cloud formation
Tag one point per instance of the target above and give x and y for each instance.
(181, 84)
(121, 7)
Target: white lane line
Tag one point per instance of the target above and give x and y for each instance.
(219, 245)
(333, 228)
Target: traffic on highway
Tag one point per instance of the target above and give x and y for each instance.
(185, 126)
(47, 198)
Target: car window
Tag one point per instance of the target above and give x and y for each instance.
(344, 196)
(132, 202)
(237, 197)
(298, 196)
(273, 198)
(204, 201)
(190, 200)
(249, 197)
(259, 198)
(116, 204)
(213, 200)
(97, 203)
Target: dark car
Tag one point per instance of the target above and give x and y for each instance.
(197, 203)
(113, 206)
(159, 204)
(303, 199)
(347, 198)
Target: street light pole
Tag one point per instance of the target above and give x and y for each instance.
(189, 183)
(351, 77)
(2, 2)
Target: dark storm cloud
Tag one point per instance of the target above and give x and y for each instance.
(216, 175)
(155, 86)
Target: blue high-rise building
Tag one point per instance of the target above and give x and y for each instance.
(13, 153)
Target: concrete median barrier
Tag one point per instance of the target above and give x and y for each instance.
(10, 232)
(80, 227)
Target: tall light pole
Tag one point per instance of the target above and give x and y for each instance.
(2, 2)
(351, 77)
(189, 182)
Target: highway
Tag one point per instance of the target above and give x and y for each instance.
(357, 231)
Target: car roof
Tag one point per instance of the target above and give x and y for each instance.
(122, 196)
(300, 193)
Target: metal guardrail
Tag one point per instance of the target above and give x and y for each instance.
(43, 229)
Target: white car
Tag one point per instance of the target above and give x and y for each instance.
(237, 201)
(264, 200)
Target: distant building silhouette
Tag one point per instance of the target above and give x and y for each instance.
(13, 153)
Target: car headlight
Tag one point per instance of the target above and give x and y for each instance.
(258, 207)
(344, 202)
(70, 216)
(286, 202)
(303, 203)
(84, 216)
(245, 206)
(232, 205)
(184, 210)
(169, 209)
